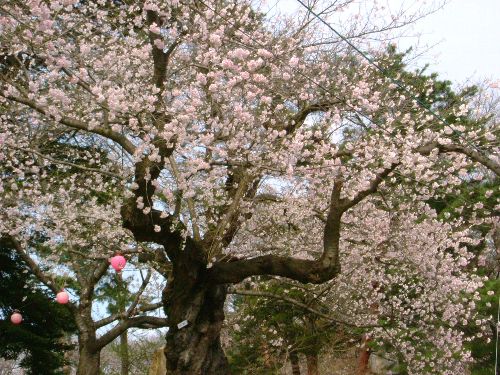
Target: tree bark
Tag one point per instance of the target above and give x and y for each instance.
(89, 362)
(125, 363)
(195, 312)
(267, 356)
(124, 358)
(364, 357)
(294, 360)
(312, 364)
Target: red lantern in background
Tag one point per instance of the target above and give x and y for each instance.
(16, 318)
(118, 262)
(62, 297)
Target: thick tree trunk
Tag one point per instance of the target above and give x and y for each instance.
(196, 313)
(294, 360)
(193, 300)
(312, 364)
(89, 361)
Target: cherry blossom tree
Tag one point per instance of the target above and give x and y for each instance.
(407, 287)
(220, 130)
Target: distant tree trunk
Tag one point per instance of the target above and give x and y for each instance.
(312, 364)
(364, 356)
(268, 363)
(294, 360)
(124, 357)
(125, 362)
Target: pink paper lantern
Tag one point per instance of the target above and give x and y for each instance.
(62, 297)
(118, 262)
(16, 318)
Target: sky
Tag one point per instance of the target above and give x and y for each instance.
(467, 35)
(461, 41)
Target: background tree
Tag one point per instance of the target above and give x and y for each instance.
(81, 310)
(41, 339)
(285, 320)
(142, 346)
(115, 292)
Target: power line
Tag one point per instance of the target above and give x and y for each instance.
(383, 71)
(319, 85)
(372, 62)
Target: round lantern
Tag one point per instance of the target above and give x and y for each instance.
(118, 262)
(62, 297)
(16, 318)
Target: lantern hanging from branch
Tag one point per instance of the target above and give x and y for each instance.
(62, 297)
(16, 317)
(118, 262)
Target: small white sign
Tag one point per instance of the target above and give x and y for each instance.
(182, 324)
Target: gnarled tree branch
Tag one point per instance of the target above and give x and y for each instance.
(472, 154)
(77, 124)
(303, 270)
(138, 321)
(46, 279)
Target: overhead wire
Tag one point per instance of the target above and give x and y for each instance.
(396, 82)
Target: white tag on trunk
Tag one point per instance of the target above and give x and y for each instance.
(182, 324)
